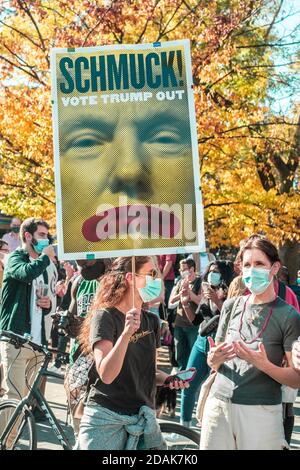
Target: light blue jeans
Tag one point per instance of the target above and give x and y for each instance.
(197, 359)
(104, 429)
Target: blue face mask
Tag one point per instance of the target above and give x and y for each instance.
(256, 280)
(214, 279)
(152, 289)
(39, 244)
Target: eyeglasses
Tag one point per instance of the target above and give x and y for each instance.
(153, 273)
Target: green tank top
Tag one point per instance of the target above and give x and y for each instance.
(84, 297)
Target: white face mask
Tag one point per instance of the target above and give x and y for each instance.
(152, 289)
(257, 279)
(214, 279)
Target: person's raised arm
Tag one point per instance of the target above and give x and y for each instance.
(19, 268)
(167, 269)
(175, 295)
(196, 296)
(109, 358)
(73, 304)
(186, 297)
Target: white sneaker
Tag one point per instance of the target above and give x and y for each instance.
(186, 424)
(174, 438)
(174, 371)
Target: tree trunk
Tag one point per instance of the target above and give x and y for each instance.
(289, 253)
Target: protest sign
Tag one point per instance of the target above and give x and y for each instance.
(126, 152)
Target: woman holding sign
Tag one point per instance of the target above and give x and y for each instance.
(119, 412)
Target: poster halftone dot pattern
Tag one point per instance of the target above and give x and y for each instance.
(125, 142)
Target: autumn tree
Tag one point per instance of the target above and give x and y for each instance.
(248, 154)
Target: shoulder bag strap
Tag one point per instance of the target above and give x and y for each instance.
(235, 304)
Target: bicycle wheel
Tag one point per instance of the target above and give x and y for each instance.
(22, 433)
(179, 437)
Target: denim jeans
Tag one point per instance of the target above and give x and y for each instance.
(184, 339)
(197, 359)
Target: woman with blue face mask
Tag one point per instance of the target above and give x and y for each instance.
(215, 281)
(255, 334)
(120, 411)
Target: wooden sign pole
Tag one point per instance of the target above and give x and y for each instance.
(133, 281)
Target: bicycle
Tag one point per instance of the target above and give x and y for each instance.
(186, 438)
(20, 432)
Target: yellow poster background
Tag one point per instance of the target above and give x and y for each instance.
(123, 148)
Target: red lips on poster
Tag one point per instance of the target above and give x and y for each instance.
(118, 221)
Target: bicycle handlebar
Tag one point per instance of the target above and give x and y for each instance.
(18, 341)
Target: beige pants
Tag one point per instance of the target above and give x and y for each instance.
(227, 426)
(17, 365)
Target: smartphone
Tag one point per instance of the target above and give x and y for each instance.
(42, 290)
(185, 375)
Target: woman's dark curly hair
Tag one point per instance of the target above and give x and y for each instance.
(224, 267)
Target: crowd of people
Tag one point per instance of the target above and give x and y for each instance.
(238, 321)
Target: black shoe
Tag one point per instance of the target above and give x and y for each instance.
(39, 415)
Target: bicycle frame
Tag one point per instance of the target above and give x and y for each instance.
(56, 427)
(34, 396)
(11, 422)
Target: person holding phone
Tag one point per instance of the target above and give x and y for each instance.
(256, 333)
(187, 294)
(214, 285)
(22, 310)
(120, 411)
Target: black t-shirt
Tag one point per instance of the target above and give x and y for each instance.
(135, 385)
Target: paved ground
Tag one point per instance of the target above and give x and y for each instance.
(56, 397)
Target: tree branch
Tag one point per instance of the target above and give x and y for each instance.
(147, 22)
(24, 165)
(33, 191)
(25, 8)
(275, 44)
(33, 74)
(273, 20)
(164, 33)
(21, 33)
(219, 204)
